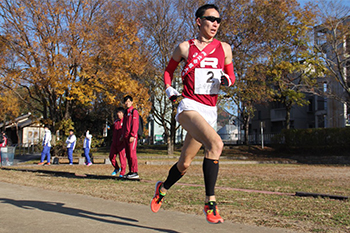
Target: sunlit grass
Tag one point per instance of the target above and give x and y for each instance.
(299, 213)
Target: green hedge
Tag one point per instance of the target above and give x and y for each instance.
(314, 140)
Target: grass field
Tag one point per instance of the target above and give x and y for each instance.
(241, 189)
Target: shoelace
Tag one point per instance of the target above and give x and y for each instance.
(212, 207)
(160, 196)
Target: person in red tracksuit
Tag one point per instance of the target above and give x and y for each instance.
(130, 128)
(118, 146)
(3, 142)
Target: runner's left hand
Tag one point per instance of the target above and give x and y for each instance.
(225, 80)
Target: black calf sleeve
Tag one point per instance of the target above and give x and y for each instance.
(173, 176)
(210, 172)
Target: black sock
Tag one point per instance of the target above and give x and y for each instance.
(210, 172)
(173, 176)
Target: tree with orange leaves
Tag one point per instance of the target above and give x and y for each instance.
(71, 53)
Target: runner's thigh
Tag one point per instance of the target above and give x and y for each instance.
(198, 128)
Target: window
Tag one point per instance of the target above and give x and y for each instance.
(311, 105)
(321, 121)
(320, 104)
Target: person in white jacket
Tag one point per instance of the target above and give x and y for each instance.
(87, 146)
(71, 141)
(46, 147)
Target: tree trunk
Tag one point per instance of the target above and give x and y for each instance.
(288, 109)
(171, 139)
(246, 129)
(170, 145)
(17, 134)
(67, 113)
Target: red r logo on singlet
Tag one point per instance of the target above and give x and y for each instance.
(209, 61)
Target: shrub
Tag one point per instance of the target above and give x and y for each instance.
(314, 140)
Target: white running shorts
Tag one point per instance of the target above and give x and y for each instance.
(209, 113)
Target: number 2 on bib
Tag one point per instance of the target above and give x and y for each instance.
(206, 81)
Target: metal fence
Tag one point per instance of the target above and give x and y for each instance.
(253, 139)
(25, 148)
(258, 138)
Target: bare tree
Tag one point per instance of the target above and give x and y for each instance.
(161, 31)
(332, 42)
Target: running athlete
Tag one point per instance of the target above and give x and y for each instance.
(208, 66)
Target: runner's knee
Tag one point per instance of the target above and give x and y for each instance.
(215, 149)
(183, 166)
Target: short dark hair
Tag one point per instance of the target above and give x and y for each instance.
(71, 130)
(201, 10)
(120, 109)
(128, 97)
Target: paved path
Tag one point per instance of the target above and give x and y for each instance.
(32, 210)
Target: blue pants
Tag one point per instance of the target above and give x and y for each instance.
(70, 155)
(87, 156)
(44, 153)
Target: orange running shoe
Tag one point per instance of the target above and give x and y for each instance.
(157, 199)
(41, 163)
(212, 213)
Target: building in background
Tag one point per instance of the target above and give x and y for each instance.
(226, 127)
(24, 131)
(328, 111)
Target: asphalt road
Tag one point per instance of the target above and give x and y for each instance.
(33, 210)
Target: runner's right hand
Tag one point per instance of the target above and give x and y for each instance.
(172, 93)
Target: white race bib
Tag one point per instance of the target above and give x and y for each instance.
(207, 81)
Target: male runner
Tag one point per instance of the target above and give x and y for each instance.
(208, 65)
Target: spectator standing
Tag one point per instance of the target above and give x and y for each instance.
(118, 145)
(71, 141)
(4, 139)
(3, 142)
(87, 146)
(46, 146)
(130, 128)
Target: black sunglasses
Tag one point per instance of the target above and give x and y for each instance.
(212, 19)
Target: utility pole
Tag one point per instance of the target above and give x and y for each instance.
(262, 124)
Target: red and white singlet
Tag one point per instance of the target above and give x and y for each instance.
(202, 84)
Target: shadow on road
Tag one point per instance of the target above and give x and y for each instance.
(56, 207)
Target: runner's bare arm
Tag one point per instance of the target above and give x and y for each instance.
(228, 53)
(179, 53)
